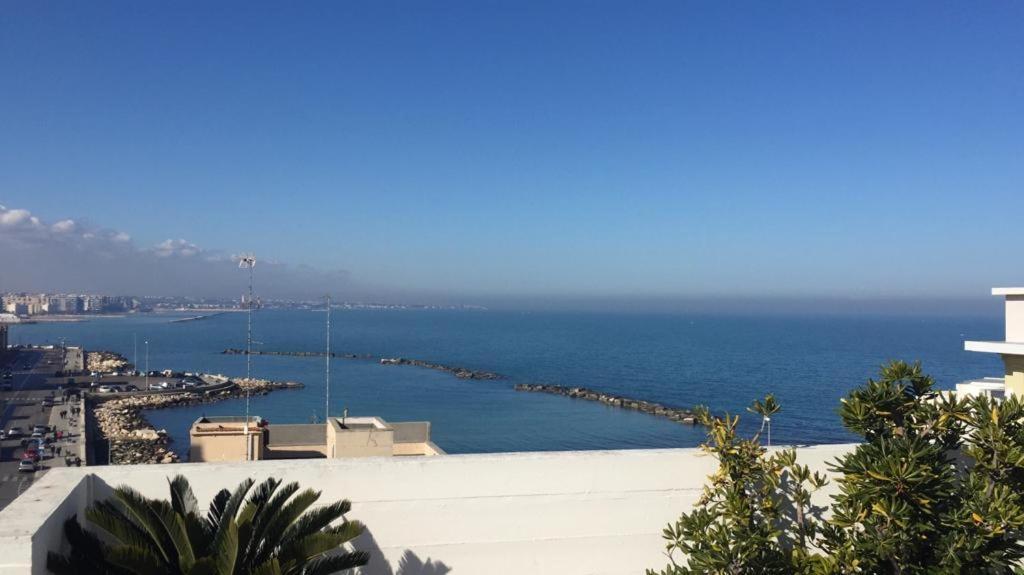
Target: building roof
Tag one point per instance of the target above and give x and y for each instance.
(1008, 291)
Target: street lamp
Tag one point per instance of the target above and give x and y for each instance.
(147, 363)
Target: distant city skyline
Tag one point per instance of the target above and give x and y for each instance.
(577, 154)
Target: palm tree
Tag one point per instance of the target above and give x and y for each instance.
(766, 410)
(261, 531)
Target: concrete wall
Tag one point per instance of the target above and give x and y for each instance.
(565, 513)
(1015, 318)
(224, 446)
(294, 451)
(1014, 376)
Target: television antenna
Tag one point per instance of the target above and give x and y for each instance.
(248, 261)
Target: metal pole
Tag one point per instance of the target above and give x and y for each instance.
(135, 352)
(327, 378)
(248, 338)
(147, 364)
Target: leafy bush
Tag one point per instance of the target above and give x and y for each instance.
(935, 487)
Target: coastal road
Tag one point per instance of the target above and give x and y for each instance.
(22, 408)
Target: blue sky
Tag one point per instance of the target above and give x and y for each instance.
(487, 150)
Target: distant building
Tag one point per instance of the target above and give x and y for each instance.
(1011, 350)
(230, 439)
(64, 304)
(3, 338)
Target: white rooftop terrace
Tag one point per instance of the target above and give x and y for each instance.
(564, 513)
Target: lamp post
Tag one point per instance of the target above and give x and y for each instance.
(147, 363)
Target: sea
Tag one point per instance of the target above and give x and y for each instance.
(723, 361)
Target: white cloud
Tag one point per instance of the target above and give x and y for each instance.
(179, 248)
(64, 226)
(68, 255)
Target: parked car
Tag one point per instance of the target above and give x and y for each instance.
(47, 402)
(131, 388)
(27, 466)
(32, 454)
(3, 434)
(40, 428)
(14, 433)
(106, 389)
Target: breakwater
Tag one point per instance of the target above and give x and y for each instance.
(132, 439)
(197, 317)
(459, 372)
(648, 407)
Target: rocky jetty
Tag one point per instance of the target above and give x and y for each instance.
(459, 372)
(105, 361)
(649, 407)
(134, 440)
(236, 351)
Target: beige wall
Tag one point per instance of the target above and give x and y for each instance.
(564, 513)
(1015, 318)
(224, 446)
(375, 441)
(1014, 377)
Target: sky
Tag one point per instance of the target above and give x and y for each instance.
(498, 153)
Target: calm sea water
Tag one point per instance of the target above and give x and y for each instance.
(720, 361)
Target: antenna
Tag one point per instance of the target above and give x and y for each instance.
(327, 378)
(248, 261)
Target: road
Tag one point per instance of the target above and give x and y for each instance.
(21, 408)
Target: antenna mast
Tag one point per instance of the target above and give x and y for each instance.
(327, 378)
(248, 261)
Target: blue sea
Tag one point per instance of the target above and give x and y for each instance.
(722, 361)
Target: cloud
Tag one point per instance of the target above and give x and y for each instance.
(175, 248)
(68, 255)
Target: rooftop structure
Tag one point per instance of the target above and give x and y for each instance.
(1011, 350)
(564, 513)
(229, 438)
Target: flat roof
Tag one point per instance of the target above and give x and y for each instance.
(1002, 347)
(1008, 291)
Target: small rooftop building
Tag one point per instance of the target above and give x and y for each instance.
(232, 439)
(1011, 350)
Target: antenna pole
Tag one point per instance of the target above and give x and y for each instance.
(327, 378)
(248, 261)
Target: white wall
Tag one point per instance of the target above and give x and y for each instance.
(598, 512)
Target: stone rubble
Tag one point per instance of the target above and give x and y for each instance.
(105, 362)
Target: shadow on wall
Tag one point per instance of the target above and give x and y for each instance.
(409, 564)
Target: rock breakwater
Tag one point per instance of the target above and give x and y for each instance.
(459, 372)
(105, 361)
(649, 407)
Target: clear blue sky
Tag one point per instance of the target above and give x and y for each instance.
(569, 149)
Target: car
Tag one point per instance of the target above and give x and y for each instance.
(14, 433)
(131, 388)
(40, 428)
(3, 434)
(8, 375)
(27, 466)
(32, 454)
(47, 402)
(106, 389)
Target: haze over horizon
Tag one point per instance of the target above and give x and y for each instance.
(655, 156)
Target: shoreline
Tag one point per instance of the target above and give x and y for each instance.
(132, 439)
